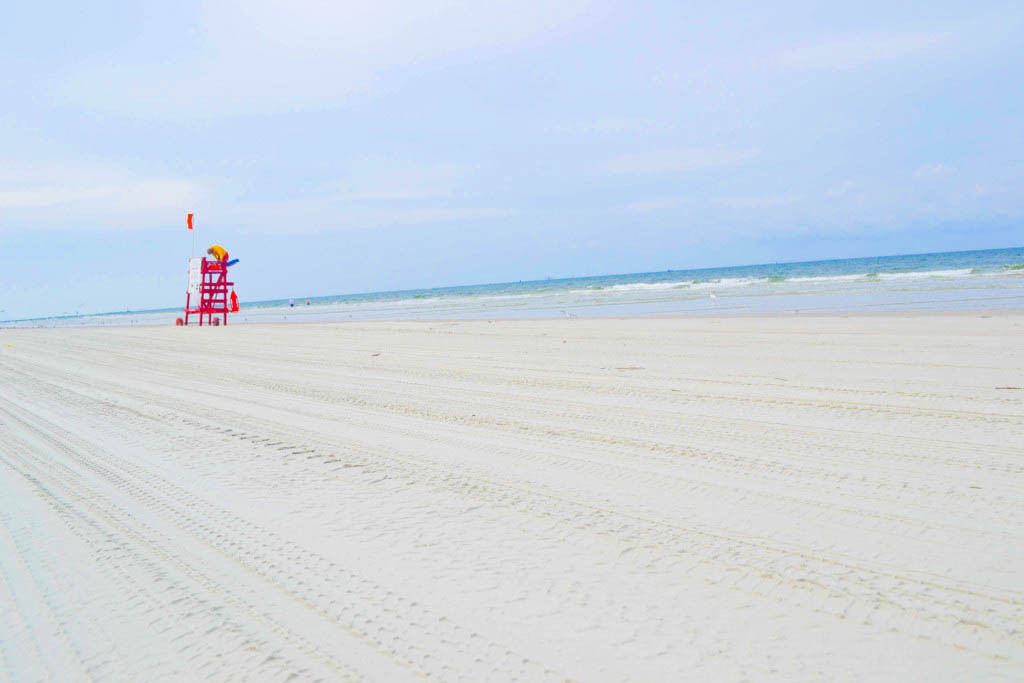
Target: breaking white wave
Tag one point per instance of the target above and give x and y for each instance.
(910, 275)
(634, 287)
(913, 275)
(830, 278)
(723, 283)
(728, 283)
(652, 286)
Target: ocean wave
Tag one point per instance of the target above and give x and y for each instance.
(624, 290)
(738, 282)
(633, 287)
(728, 283)
(649, 286)
(916, 274)
(723, 283)
(505, 297)
(832, 278)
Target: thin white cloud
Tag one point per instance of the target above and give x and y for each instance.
(931, 171)
(858, 49)
(261, 55)
(66, 194)
(617, 125)
(671, 161)
(378, 180)
(649, 205)
(431, 215)
(763, 201)
(841, 190)
(333, 214)
(376, 194)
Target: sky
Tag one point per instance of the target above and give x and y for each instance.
(339, 147)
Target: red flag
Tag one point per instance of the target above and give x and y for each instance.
(190, 221)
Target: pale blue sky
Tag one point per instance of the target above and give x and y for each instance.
(341, 147)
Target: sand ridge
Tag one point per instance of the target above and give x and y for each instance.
(571, 499)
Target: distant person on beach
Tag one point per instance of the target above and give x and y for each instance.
(307, 302)
(291, 302)
(218, 252)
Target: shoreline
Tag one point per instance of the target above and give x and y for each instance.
(967, 279)
(768, 315)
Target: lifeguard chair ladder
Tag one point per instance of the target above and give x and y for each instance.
(213, 293)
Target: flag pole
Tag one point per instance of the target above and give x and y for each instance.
(188, 294)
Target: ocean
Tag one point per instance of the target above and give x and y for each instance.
(989, 279)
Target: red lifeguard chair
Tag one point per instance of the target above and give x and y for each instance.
(207, 292)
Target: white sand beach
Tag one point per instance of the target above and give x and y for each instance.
(746, 498)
